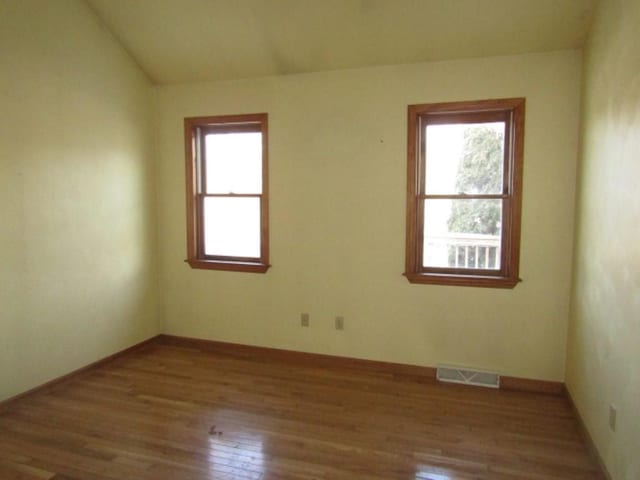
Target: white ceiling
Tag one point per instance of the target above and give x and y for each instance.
(178, 41)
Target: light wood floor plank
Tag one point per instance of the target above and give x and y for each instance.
(180, 412)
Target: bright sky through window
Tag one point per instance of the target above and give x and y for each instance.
(445, 148)
(233, 166)
(234, 162)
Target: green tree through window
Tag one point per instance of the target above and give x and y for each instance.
(479, 172)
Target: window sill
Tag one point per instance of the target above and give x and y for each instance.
(484, 281)
(246, 267)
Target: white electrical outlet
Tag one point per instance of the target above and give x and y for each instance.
(613, 413)
(304, 319)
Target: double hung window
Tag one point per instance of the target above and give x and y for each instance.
(464, 190)
(227, 202)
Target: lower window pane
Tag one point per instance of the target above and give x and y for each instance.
(462, 233)
(232, 227)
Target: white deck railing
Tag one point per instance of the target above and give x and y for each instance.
(463, 250)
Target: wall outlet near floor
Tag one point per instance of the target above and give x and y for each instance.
(304, 319)
(613, 413)
(339, 323)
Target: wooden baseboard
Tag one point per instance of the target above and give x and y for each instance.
(58, 380)
(529, 385)
(593, 450)
(414, 372)
(302, 358)
(398, 370)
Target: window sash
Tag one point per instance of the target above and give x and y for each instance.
(204, 164)
(462, 118)
(504, 234)
(202, 227)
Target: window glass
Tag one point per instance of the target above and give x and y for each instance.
(461, 233)
(464, 158)
(233, 162)
(232, 227)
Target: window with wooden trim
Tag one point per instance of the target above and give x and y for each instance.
(464, 192)
(227, 192)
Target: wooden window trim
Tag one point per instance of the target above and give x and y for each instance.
(469, 112)
(194, 127)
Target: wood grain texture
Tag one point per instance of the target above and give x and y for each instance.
(171, 411)
(397, 370)
(534, 386)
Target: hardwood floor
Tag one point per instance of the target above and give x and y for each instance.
(171, 411)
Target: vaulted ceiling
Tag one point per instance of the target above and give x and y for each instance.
(177, 41)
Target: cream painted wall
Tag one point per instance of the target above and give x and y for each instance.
(337, 179)
(77, 275)
(603, 365)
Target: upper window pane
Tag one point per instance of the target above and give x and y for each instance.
(464, 158)
(233, 162)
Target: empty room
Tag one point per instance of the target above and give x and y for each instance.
(320, 239)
